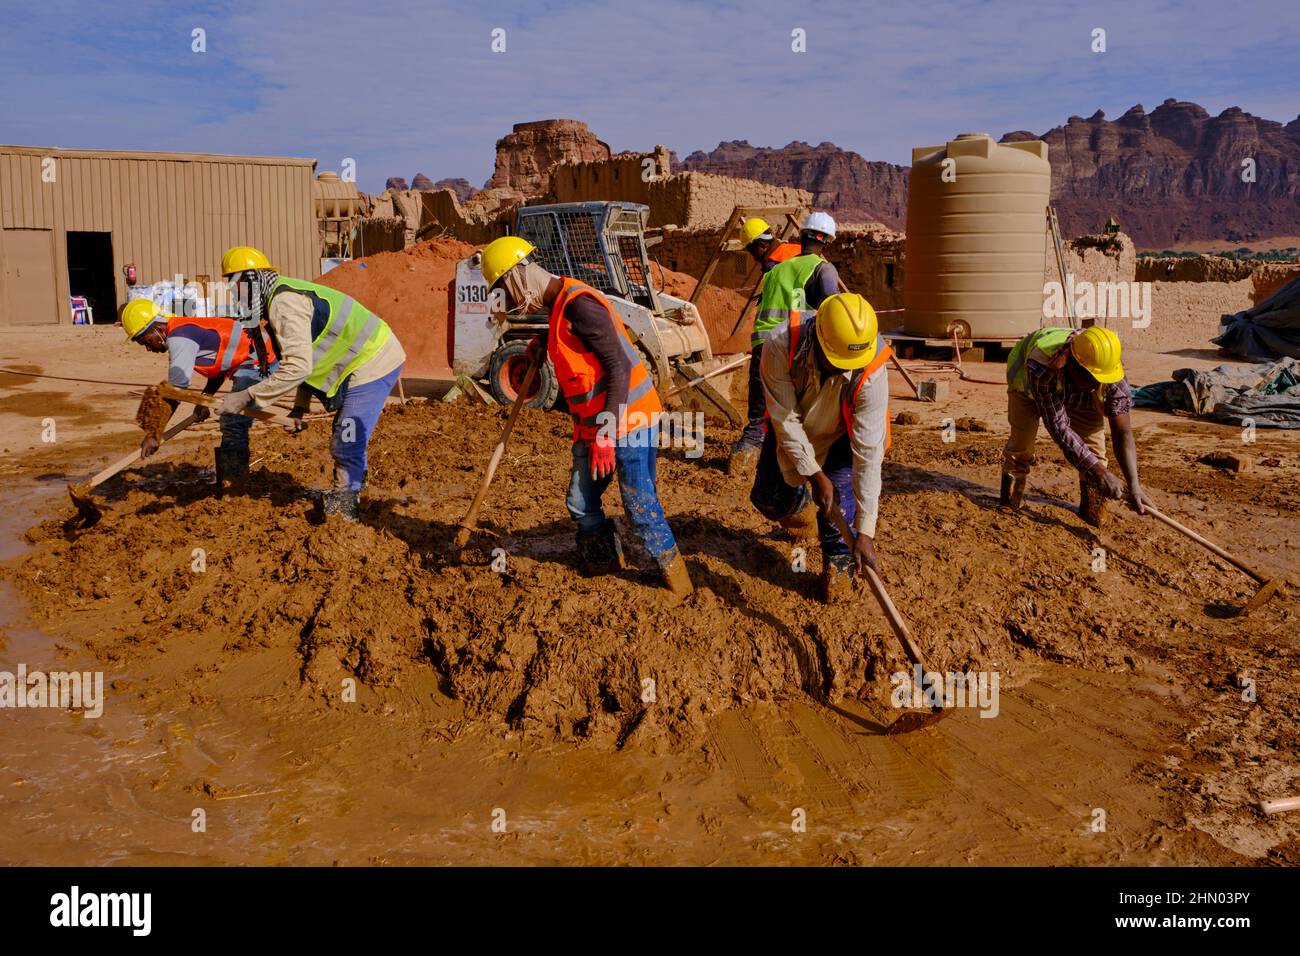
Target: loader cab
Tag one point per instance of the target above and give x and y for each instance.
(599, 243)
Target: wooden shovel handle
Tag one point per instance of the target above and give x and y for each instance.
(1209, 545)
(195, 397)
(135, 456)
(882, 596)
(471, 517)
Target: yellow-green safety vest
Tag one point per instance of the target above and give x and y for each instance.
(345, 334)
(1046, 340)
(779, 293)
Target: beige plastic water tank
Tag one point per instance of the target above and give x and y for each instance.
(975, 238)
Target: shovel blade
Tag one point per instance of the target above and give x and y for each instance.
(1262, 597)
(88, 509)
(915, 720)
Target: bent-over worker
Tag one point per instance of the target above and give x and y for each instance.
(330, 346)
(220, 349)
(1073, 381)
(615, 408)
(828, 403)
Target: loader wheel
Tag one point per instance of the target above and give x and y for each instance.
(506, 377)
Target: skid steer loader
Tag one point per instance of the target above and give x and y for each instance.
(602, 244)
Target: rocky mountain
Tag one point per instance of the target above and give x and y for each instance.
(396, 183)
(460, 187)
(853, 188)
(526, 155)
(1176, 174)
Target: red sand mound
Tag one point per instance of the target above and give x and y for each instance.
(412, 292)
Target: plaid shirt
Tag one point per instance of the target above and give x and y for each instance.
(1055, 399)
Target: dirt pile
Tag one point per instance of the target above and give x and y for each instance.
(288, 606)
(412, 291)
(719, 308)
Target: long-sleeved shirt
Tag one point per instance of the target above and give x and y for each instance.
(290, 319)
(1055, 398)
(806, 411)
(187, 346)
(591, 323)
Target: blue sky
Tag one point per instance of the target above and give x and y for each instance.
(415, 87)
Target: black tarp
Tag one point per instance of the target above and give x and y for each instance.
(1267, 331)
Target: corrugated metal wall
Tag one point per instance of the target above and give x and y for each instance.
(168, 213)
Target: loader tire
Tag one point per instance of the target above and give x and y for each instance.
(506, 376)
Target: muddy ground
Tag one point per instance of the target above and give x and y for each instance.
(500, 685)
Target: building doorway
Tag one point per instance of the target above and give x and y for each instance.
(90, 273)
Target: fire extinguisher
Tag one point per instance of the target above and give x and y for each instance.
(129, 270)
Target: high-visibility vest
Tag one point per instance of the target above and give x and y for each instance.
(856, 380)
(345, 335)
(780, 285)
(786, 250)
(233, 347)
(1046, 341)
(585, 381)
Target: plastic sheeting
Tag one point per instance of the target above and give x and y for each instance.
(1267, 331)
(1267, 394)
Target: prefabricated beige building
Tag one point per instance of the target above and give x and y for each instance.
(73, 221)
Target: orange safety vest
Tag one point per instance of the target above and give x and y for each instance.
(786, 250)
(233, 347)
(585, 381)
(883, 352)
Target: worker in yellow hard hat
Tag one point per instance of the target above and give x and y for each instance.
(1073, 381)
(331, 347)
(759, 241)
(218, 348)
(611, 395)
(827, 392)
(798, 279)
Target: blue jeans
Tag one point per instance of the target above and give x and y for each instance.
(635, 460)
(355, 422)
(776, 500)
(234, 428)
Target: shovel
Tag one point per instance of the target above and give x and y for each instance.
(89, 511)
(912, 719)
(1269, 586)
(470, 520)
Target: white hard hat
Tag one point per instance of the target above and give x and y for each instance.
(819, 222)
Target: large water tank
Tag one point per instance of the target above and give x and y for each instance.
(976, 225)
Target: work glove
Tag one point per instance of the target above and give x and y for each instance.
(234, 403)
(602, 456)
(295, 425)
(148, 446)
(1109, 485)
(864, 554)
(202, 413)
(1138, 500)
(535, 354)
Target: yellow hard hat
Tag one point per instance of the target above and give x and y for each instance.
(847, 330)
(241, 258)
(502, 255)
(752, 229)
(1097, 350)
(138, 315)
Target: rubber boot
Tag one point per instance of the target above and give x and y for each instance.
(343, 502)
(600, 551)
(743, 460)
(837, 578)
(1092, 504)
(232, 470)
(1013, 491)
(676, 578)
(802, 525)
